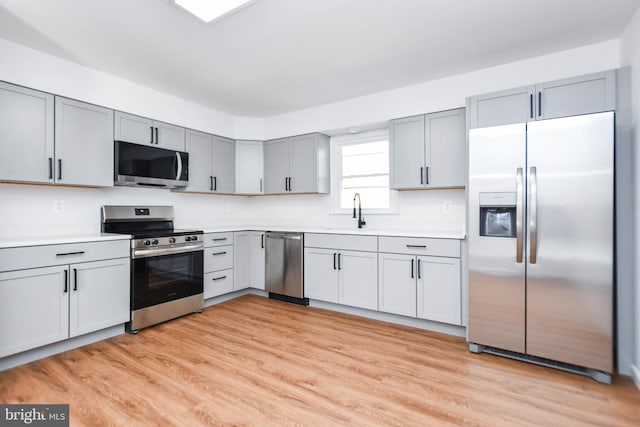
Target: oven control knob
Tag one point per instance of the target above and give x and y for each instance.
(187, 239)
(147, 242)
(155, 241)
(172, 240)
(194, 238)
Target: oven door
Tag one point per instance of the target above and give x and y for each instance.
(165, 278)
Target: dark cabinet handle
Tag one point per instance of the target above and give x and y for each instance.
(219, 278)
(339, 261)
(290, 183)
(419, 274)
(286, 183)
(421, 175)
(261, 185)
(215, 183)
(412, 265)
(66, 281)
(219, 253)
(539, 104)
(426, 175)
(59, 169)
(417, 246)
(75, 279)
(70, 253)
(157, 140)
(219, 239)
(334, 260)
(531, 105)
(151, 129)
(262, 242)
(50, 168)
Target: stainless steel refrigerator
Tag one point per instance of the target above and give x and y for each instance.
(541, 242)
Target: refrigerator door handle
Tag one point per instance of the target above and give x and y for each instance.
(519, 214)
(533, 215)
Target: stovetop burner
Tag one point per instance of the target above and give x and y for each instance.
(148, 234)
(142, 222)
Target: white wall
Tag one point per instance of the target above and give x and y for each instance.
(630, 50)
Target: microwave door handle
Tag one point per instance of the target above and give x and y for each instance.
(179, 172)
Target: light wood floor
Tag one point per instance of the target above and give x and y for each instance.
(253, 361)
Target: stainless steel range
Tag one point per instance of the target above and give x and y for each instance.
(166, 264)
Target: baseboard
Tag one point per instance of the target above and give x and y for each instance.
(233, 295)
(635, 373)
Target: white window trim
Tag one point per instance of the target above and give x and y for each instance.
(336, 142)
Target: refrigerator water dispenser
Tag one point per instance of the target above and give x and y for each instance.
(498, 214)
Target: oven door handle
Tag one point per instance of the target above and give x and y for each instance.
(145, 253)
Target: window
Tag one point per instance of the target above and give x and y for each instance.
(360, 164)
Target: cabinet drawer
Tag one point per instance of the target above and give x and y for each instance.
(68, 253)
(218, 239)
(420, 246)
(218, 258)
(218, 283)
(345, 242)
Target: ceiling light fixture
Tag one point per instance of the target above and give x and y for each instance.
(212, 10)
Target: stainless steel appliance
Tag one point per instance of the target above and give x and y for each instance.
(283, 267)
(541, 242)
(166, 264)
(141, 165)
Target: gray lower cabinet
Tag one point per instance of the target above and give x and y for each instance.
(211, 163)
(43, 305)
(218, 264)
(341, 269)
(249, 167)
(78, 152)
(428, 151)
(298, 164)
(145, 131)
(591, 93)
(249, 260)
(420, 278)
(26, 134)
(83, 144)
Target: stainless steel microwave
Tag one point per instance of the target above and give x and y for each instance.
(141, 165)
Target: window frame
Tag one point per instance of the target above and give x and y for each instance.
(336, 144)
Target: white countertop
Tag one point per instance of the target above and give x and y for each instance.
(15, 242)
(355, 231)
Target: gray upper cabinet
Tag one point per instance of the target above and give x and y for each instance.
(211, 163)
(140, 130)
(83, 144)
(298, 164)
(26, 134)
(249, 167)
(591, 93)
(428, 151)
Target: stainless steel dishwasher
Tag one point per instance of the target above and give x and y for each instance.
(284, 267)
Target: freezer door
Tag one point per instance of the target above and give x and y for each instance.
(496, 260)
(570, 240)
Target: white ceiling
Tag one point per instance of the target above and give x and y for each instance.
(278, 56)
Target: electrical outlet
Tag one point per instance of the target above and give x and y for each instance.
(58, 206)
(447, 206)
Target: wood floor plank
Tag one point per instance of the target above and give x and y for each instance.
(254, 361)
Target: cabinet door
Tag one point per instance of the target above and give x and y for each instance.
(224, 165)
(592, 93)
(304, 164)
(200, 148)
(99, 295)
(446, 155)
(84, 144)
(358, 273)
(34, 308)
(249, 167)
(439, 289)
(134, 129)
(218, 258)
(169, 136)
(256, 269)
(321, 274)
(502, 108)
(397, 284)
(242, 260)
(407, 152)
(276, 166)
(26, 134)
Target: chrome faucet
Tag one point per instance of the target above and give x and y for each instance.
(360, 218)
